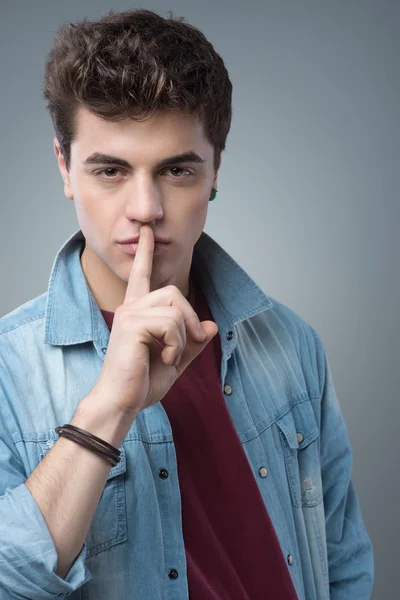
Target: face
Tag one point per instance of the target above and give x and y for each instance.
(118, 182)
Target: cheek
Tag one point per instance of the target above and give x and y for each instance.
(190, 213)
(95, 224)
(88, 216)
(94, 211)
(187, 221)
(199, 215)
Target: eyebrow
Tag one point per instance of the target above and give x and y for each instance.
(106, 159)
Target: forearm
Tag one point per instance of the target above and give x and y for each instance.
(68, 483)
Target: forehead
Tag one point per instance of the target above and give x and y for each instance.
(166, 131)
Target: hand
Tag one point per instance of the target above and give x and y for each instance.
(154, 337)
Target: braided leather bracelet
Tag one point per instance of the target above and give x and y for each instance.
(91, 442)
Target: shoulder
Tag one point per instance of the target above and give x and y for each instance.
(282, 321)
(21, 340)
(25, 317)
(291, 343)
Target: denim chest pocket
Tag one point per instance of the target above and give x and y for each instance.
(300, 442)
(109, 526)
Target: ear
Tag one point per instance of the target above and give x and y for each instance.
(215, 182)
(63, 169)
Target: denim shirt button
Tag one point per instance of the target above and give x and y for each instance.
(173, 574)
(163, 473)
(229, 335)
(104, 350)
(290, 559)
(227, 389)
(300, 437)
(263, 471)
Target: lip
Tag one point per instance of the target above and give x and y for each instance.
(159, 247)
(135, 240)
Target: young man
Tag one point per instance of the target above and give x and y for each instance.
(166, 429)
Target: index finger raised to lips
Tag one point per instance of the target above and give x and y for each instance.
(140, 275)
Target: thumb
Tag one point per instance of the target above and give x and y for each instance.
(193, 348)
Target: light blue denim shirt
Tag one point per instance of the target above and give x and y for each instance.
(283, 406)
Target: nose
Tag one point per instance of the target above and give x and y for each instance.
(144, 203)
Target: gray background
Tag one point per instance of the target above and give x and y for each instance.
(308, 192)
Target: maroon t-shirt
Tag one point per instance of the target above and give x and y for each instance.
(232, 550)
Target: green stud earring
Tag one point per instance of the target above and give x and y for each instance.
(213, 194)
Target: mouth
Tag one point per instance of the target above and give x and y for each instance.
(130, 248)
(134, 240)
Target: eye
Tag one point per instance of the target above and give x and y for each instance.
(109, 171)
(180, 169)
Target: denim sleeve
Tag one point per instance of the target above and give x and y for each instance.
(28, 557)
(350, 552)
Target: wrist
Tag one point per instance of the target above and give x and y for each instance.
(101, 420)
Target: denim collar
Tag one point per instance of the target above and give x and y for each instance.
(73, 316)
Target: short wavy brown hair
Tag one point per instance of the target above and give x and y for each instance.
(130, 64)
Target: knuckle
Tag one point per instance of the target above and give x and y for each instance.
(172, 324)
(120, 312)
(194, 322)
(176, 313)
(173, 290)
(124, 315)
(174, 329)
(195, 317)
